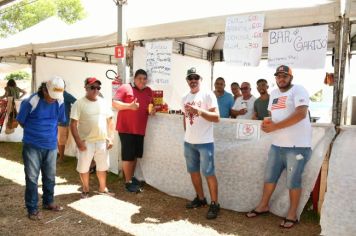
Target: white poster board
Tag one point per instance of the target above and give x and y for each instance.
(158, 62)
(249, 131)
(243, 39)
(303, 47)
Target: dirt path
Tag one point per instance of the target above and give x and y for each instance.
(149, 213)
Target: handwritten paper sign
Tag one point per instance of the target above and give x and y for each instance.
(248, 131)
(243, 39)
(303, 47)
(158, 62)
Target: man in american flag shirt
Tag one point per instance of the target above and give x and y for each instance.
(291, 145)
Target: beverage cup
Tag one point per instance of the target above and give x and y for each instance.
(267, 120)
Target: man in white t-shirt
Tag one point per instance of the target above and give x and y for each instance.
(93, 131)
(291, 146)
(243, 106)
(200, 111)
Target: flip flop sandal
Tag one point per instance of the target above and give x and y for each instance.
(283, 224)
(53, 207)
(35, 216)
(257, 213)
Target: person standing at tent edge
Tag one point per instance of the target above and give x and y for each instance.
(92, 127)
(200, 111)
(39, 116)
(133, 100)
(291, 146)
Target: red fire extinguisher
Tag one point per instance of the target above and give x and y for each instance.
(116, 81)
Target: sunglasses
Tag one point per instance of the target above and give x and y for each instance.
(244, 88)
(193, 77)
(94, 87)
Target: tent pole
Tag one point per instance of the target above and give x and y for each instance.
(336, 70)
(212, 76)
(121, 64)
(33, 67)
(344, 53)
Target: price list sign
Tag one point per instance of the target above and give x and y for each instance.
(158, 62)
(243, 39)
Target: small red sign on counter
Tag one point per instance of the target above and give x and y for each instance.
(119, 51)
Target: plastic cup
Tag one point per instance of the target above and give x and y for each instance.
(267, 120)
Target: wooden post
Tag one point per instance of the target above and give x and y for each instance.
(337, 29)
(323, 178)
(344, 52)
(33, 66)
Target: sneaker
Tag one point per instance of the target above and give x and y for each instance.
(137, 182)
(213, 211)
(35, 216)
(133, 188)
(84, 195)
(196, 203)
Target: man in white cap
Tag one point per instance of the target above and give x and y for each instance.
(39, 116)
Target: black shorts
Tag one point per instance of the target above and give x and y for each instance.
(131, 146)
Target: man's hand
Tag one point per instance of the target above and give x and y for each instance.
(269, 127)
(193, 109)
(81, 146)
(242, 111)
(134, 105)
(109, 144)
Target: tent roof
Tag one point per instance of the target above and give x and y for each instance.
(206, 33)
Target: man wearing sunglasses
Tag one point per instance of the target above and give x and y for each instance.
(200, 111)
(291, 146)
(93, 131)
(243, 107)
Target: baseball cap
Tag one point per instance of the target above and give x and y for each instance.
(55, 87)
(91, 80)
(283, 69)
(192, 71)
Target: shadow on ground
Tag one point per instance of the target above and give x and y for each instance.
(152, 210)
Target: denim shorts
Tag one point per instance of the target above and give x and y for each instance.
(200, 156)
(293, 159)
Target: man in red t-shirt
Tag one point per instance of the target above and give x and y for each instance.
(132, 100)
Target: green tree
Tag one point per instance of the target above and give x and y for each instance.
(27, 13)
(18, 75)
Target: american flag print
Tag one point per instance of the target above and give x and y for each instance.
(279, 103)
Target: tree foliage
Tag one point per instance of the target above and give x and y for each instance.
(27, 13)
(18, 75)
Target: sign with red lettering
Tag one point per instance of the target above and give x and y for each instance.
(243, 39)
(119, 51)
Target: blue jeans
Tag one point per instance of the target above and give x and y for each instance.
(200, 156)
(36, 160)
(293, 159)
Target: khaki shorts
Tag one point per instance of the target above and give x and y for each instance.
(63, 132)
(96, 151)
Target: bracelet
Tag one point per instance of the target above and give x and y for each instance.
(200, 112)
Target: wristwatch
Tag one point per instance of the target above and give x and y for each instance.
(200, 112)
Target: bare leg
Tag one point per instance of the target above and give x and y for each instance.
(84, 177)
(102, 180)
(294, 196)
(129, 169)
(197, 183)
(213, 187)
(61, 149)
(268, 189)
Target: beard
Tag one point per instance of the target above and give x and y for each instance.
(287, 85)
